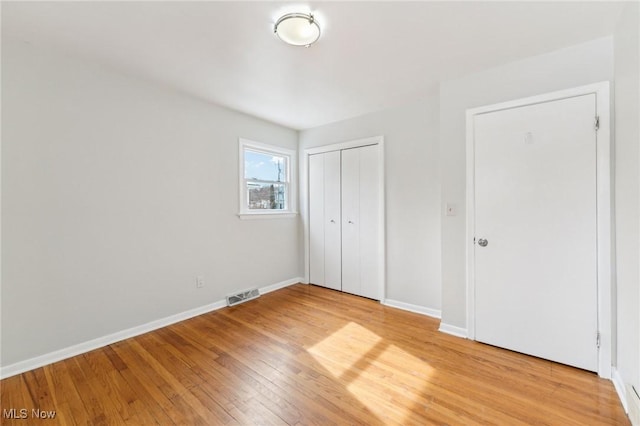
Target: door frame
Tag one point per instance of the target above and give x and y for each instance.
(304, 201)
(603, 208)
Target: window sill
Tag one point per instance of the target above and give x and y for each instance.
(269, 215)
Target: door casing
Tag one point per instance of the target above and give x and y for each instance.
(603, 208)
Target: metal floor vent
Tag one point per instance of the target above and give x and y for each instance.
(243, 296)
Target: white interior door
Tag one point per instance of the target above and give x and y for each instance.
(535, 205)
(332, 213)
(316, 219)
(360, 220)
(369, 221)
(324, 220)
(351, 221)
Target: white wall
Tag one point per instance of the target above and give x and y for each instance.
(574, 66)
(412, 192)
(116, 194)
(627, 184)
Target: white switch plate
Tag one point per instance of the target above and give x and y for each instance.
(199, 281)
(451, 209)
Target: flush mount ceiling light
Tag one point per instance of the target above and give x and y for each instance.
(297, 29)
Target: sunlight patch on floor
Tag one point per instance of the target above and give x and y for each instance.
(343, 348)
(357, 357)
(407, 384)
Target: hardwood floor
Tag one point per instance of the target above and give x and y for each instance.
(306, 355)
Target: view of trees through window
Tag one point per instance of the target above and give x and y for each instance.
(266, 177)
(263, 196)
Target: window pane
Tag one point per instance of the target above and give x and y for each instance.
(263, 166)
(266, 196)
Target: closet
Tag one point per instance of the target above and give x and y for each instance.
(344, 220)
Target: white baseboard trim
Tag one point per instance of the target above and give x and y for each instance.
(633, 404)
(453, 330)
(618, 383)
(434, 313)
(281, 284)
(80, 348)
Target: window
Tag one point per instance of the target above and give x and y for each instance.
(266, 185)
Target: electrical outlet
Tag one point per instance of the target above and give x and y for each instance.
(199, 281)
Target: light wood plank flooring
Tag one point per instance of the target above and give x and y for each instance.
(306, 355)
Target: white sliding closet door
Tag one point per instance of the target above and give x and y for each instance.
(324, 220)
(360, 219)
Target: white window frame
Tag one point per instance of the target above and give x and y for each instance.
(290, 182)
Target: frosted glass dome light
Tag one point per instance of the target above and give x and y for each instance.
(297, 29)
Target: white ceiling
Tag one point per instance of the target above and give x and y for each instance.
(371, 56)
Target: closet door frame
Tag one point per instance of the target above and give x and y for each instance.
(304, 202)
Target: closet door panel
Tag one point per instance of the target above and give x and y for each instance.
(369, 199)
(316, 219)
(350, 221)
(332, 223)
(344, 214)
